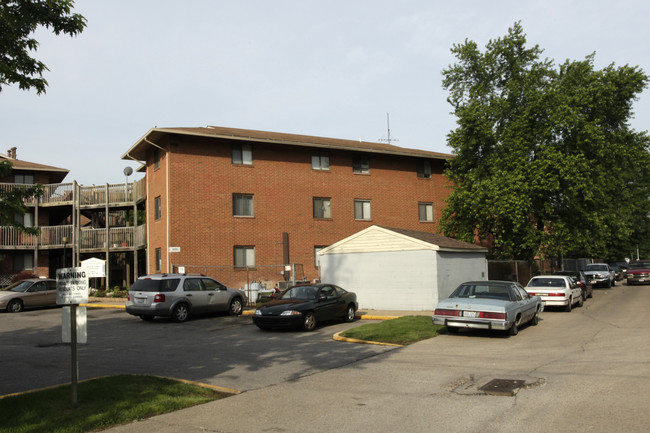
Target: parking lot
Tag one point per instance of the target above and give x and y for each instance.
(218, 349)
(586, 370)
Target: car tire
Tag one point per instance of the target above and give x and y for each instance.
(614, 283)
(180, 313)
(580, 301)
(309, 323)
(350, 314)
(15, 306)
(147, 317)
(535, 320)
(236, 307)
(609, 284)
(568, 306)
(514, 329)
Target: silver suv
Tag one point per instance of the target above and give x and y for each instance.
(180, 295)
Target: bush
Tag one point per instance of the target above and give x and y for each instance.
(23, 275)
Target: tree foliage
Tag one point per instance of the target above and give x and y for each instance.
(546, 162)
(18, 21)
(12, 201)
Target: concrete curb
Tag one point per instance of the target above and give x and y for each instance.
(338, 337)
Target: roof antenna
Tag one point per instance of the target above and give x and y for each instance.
(388, 140)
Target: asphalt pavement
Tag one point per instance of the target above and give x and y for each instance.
(587, 370)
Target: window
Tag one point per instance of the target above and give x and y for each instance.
(156, 158)
(244, 257)
(424, 169)
(23, 262)
(242, 154)
(426, 212)
(158, 259)
(320, 161)
(242, 205)
(316, 250)
(27, 219)
(322, 207)
(362, 209)
(361, 164)
(157, 206)
(27, 179)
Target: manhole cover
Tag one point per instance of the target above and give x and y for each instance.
(502, 387)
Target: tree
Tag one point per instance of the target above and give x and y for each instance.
(12, 201)
(18, 20)
(546, 163)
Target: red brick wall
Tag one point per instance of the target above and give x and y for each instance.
(202, 181)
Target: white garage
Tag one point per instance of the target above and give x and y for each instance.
(396, 269)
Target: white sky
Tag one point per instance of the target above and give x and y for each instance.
(330, 68)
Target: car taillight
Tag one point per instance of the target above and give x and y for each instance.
(443, 312)
(159, 298)
(556, 294)
(488, 315)
(531, 293)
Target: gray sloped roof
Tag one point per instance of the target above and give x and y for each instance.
(437, 239)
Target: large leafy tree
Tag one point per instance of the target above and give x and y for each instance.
(12, 201)
(18, 21)
(546, 162)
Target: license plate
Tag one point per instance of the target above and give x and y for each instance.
(641, 280)
(139, 300)
(470, 314)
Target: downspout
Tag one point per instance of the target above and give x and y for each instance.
(167, 215)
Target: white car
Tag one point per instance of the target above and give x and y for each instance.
(556, 291)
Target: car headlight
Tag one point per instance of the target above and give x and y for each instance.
(258, 312)
(291, 313)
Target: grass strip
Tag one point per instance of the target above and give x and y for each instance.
(403, 330)
(101, 403)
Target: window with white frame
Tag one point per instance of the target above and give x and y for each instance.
(244, 256)
(242, 205)
(322, 207)
(158, 259)
(361, 164)
(242, 154)
(23, 262)
(156, 158)
(26, 219)
(426, 212)
(27, 179)
(157, 208)
(320, 161)
(362, 209)
(424, 169)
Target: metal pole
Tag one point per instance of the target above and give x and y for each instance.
(73, 347)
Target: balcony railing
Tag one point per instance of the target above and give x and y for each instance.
(52, 237)
(63, 193)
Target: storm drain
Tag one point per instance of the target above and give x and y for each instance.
(502, 387)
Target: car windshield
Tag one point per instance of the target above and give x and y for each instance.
(300, 292)
(639, 265)
(546, 282)
(481, 290)
(20, 286)
(149, 285)
(596, 267)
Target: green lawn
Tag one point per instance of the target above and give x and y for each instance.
(403, 330)
(101, 403)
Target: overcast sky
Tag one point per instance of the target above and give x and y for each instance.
(331, 68)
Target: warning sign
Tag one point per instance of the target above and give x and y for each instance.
(71, 286)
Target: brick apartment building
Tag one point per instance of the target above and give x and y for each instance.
(244, 205)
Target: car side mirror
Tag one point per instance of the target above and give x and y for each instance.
(322, 298)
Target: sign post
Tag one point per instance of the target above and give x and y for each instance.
(72, 290)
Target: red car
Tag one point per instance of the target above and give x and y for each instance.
(638, 272)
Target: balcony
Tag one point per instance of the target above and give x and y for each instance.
(51, 237)
(88, 196)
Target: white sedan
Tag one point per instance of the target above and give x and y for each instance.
(556, 290)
